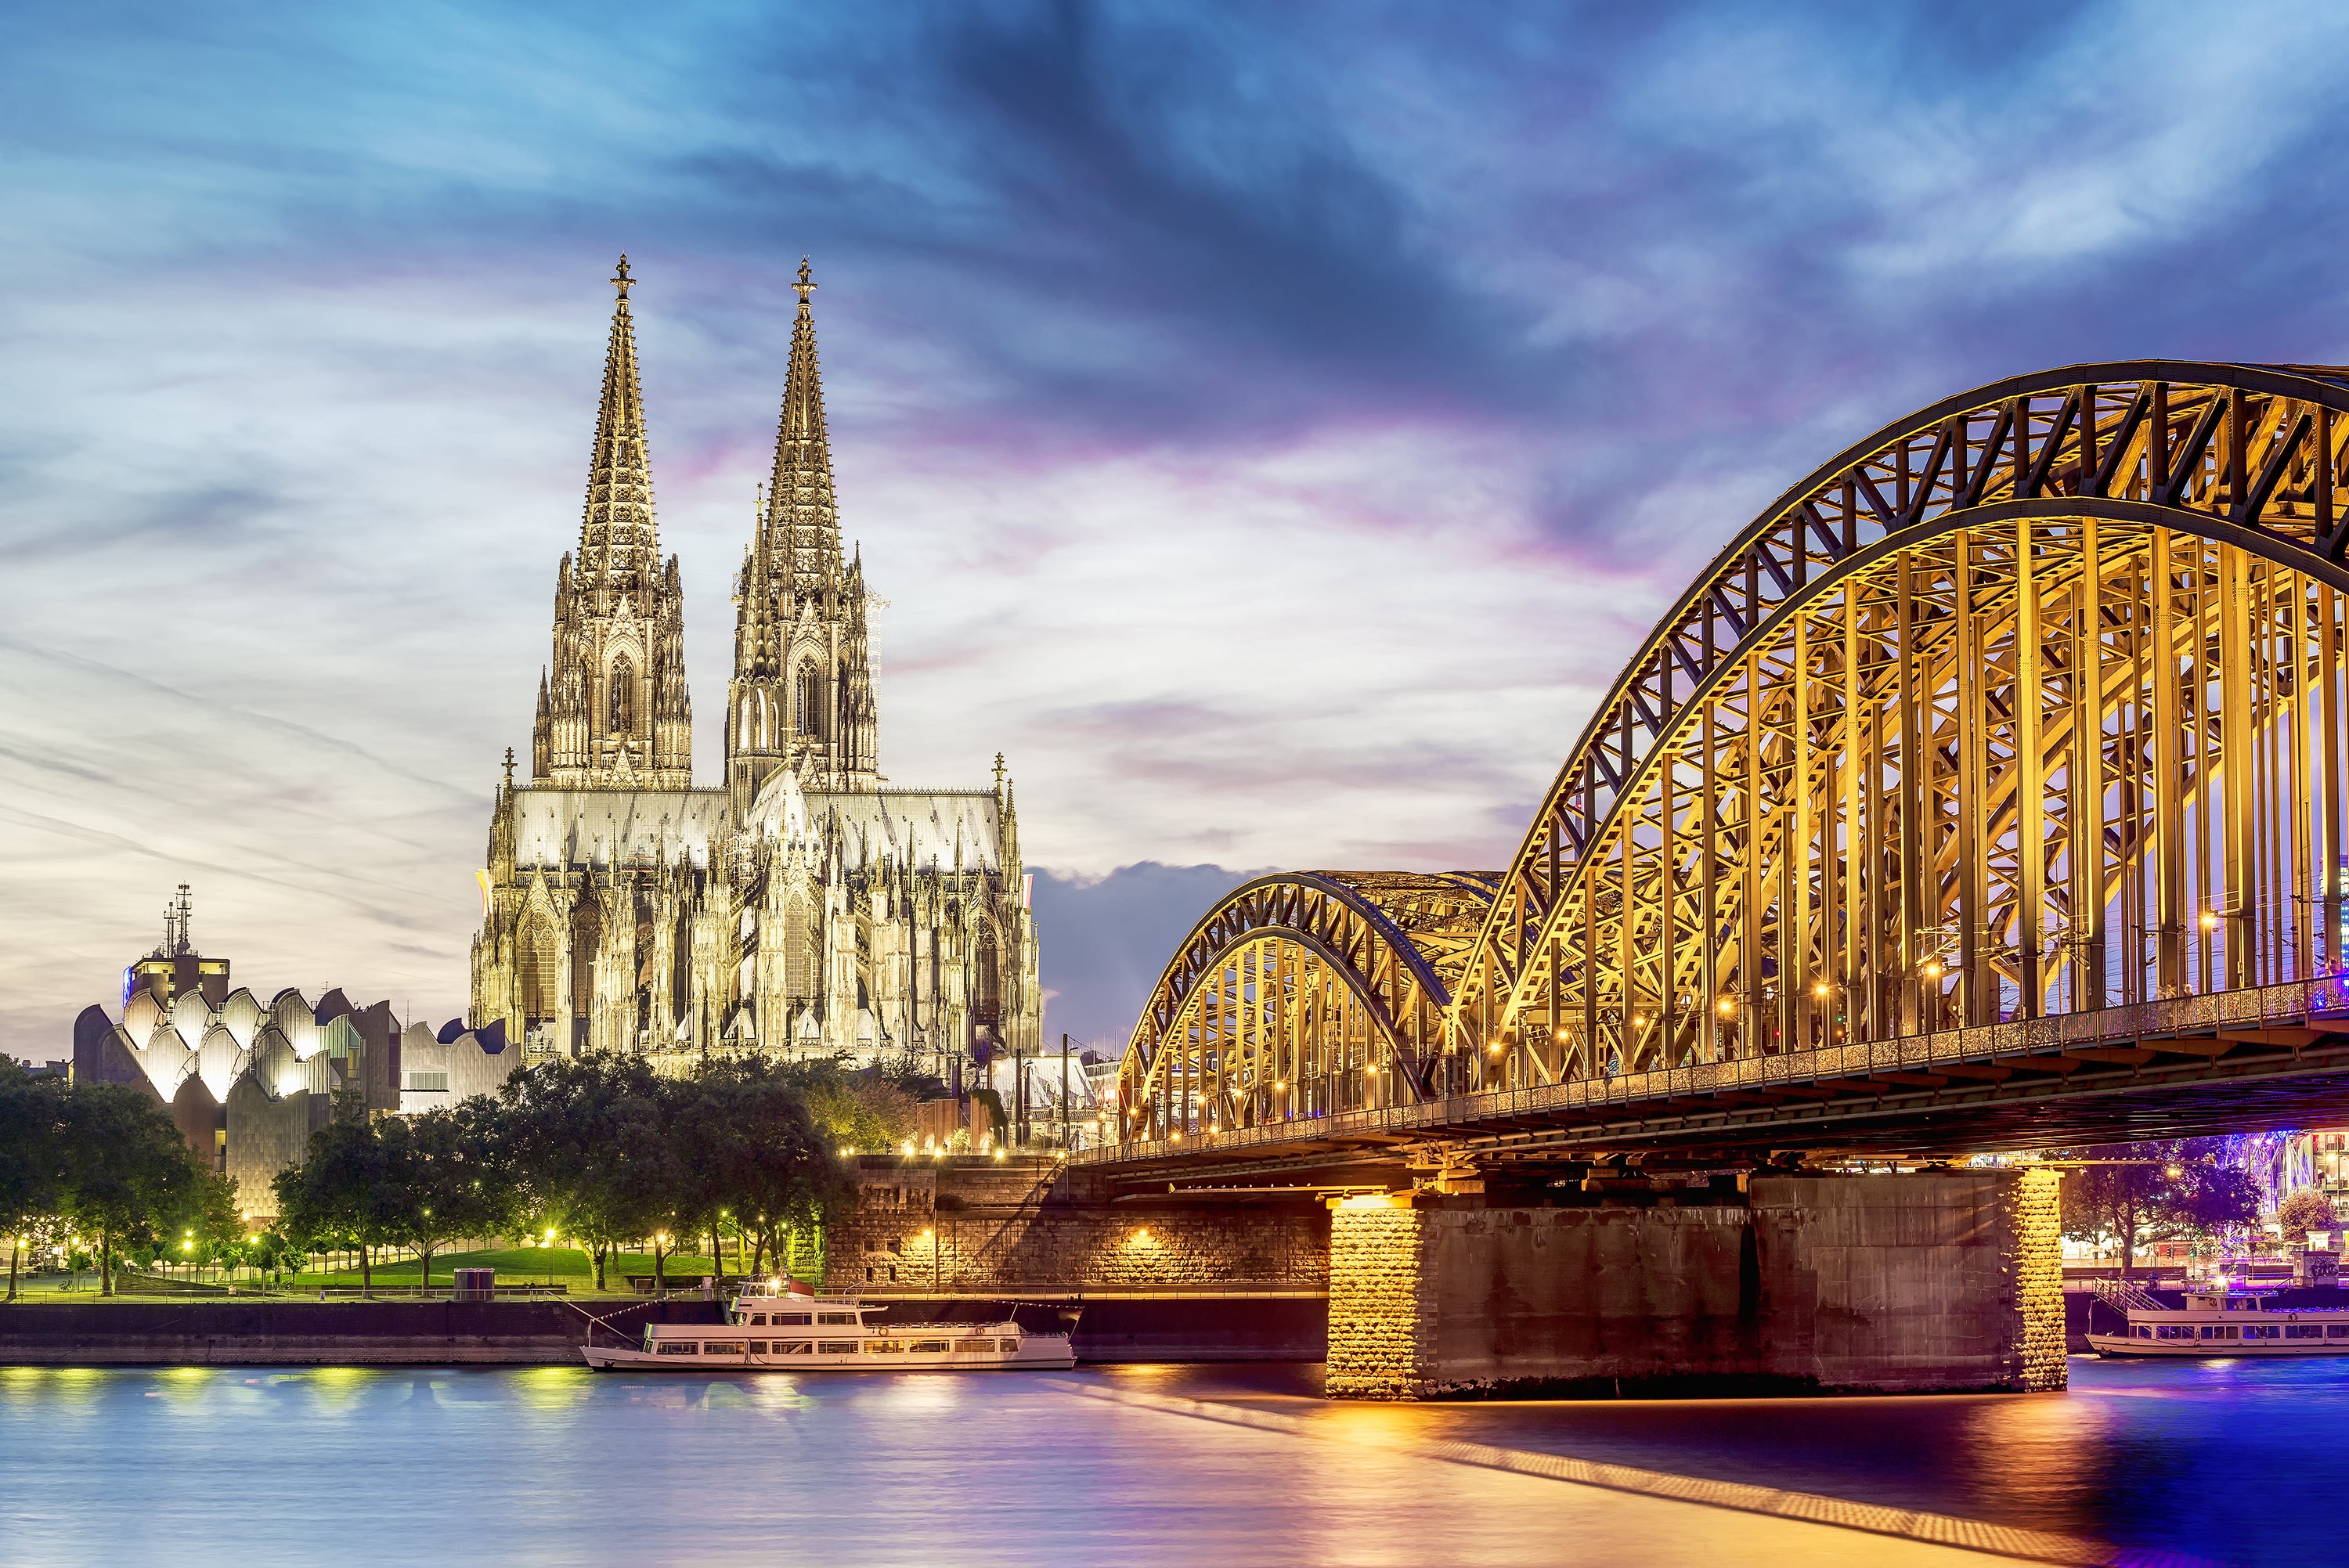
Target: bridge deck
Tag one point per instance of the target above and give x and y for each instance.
(2275, 1055)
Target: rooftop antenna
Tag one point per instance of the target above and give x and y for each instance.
(179, 912)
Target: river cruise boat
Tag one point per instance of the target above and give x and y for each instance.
(2222, 1322)
(797, 1333)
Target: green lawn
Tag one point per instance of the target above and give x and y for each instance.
(514, 1265)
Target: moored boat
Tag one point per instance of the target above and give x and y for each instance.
(2221, 1323)
(795, 1331)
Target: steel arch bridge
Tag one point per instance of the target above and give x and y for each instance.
(2027, 709)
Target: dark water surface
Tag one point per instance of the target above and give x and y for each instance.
(2223, 1461)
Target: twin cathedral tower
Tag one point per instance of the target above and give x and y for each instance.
(803, 906)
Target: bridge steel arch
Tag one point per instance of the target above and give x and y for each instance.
(2031, 703)
(1302, 994)
(2028, 703)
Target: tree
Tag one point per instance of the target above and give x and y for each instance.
(126, 1176)
(2303, 1209)
(585, 1143)
(750, 1144)
(32, 1113)
(441, 1179)
(855, 1109)
(2139, 1192)
(342, 1189)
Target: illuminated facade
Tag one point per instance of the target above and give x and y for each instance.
(246, 1082)
(801, 906)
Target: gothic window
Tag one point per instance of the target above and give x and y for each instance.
(623, 714)
(799, 951)
(811, 702)
(985, 984)
(586, 936)
(540, 969)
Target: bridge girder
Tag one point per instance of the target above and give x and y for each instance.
(2030, 704)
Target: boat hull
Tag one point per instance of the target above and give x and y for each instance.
(1042, 1353)
(2119, 1346)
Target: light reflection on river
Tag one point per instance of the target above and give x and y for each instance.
(254, 1466)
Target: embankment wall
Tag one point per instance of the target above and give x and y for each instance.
(1938, 1281)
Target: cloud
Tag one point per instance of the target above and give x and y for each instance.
(1272, 427)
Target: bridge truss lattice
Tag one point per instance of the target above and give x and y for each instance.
(2031, 703)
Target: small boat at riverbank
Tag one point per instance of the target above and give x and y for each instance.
(2221, 1323)
(795, 1333)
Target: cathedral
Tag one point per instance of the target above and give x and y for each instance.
(801, 905)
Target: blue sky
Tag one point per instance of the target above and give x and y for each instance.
(1271, 426)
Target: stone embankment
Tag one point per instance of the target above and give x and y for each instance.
(239, 1332)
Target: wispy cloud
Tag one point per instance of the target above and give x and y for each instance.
(1272, 426)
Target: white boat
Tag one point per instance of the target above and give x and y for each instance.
(2221, 1323)
(801, 1333)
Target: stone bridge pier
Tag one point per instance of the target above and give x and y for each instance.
(1763, 1284)
(1935, 1282)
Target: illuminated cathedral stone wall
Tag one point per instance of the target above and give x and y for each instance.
(805, 905)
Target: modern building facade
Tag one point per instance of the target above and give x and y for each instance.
(247, 1082)
(801, 905)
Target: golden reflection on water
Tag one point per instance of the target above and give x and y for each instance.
(71, 1387)
(550, 1388)
(2030, 1457)
(337, 1390)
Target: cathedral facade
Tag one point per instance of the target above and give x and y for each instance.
(801, 905)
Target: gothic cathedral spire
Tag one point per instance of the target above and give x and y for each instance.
(614, 711)
(801, 695)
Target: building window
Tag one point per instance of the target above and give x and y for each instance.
(985, 984)
(622, 715)
(428, 1083)
(811, 702)
(538, 970)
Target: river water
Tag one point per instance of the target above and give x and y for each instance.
(2227, 1461)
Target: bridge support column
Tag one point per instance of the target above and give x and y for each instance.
(1940, 1281)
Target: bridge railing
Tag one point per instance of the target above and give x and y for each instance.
(2247, 1009)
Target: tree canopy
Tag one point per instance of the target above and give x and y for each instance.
(2155, 1190)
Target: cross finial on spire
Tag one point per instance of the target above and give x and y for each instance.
(806, 285)
(998, 773)
(509, 770)
(624, 281)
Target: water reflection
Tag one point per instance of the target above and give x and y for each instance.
(979, 1467)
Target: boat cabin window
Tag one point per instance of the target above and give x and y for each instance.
(677, 1347)
(974, 1344)
(2304, 1331)
(721, 1348)
(758, 1320)
(836, 1346)
(791, 1320)
(792, 1346)
(758, 1348)
(845, 1318)
(2174, 1331)
(2336, 1331)
(930, 1345)
(2221, 1331)
(884, 1347)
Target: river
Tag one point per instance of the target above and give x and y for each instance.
(2224, 1461)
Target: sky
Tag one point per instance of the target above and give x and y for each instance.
(1271, 427)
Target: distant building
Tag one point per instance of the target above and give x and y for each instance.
(248, 1082)
(802, 906)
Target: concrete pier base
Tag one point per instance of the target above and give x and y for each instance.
(1935, 1282)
